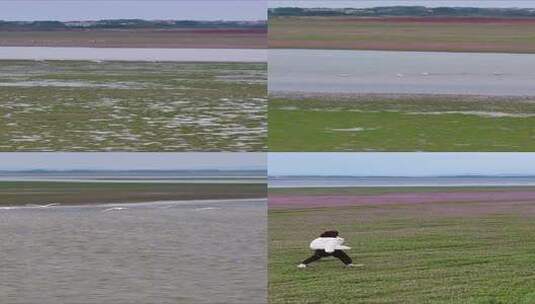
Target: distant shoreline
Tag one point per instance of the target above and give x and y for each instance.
(20, 193)
(404, 33)
(222, 38)
(356, 97)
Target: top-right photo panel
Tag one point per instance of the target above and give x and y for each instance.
(401, 75)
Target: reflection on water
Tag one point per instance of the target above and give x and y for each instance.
(188, 252)
(335, 71)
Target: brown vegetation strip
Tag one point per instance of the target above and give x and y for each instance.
(315, 201)
(21, 193)
(508, 35)
(451, 20)
(181, 38)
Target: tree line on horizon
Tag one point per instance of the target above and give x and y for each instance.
(129, 24)
(404, 11)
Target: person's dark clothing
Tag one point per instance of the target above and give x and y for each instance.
(318, 254)
(330, 233)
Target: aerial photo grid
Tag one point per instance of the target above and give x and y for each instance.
(267, 151)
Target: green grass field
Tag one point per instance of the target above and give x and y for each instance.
(449, 252)
(132, 106)
(401, 123)
(73, 193)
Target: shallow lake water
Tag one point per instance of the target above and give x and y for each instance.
(133, 54)
(163, 252)
(338, 71)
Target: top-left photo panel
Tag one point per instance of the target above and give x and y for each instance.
(131, 75)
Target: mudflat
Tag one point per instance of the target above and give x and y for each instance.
(132, 106)
(507, 35)
(142, 38)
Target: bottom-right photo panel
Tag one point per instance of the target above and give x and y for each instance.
(401, 227)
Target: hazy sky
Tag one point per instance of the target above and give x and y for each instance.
(65, 10)
(429, 3)
(400, 164)
(131, 161)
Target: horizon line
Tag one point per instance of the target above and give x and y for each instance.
(128, 170)
(141, 19)
(408, 176)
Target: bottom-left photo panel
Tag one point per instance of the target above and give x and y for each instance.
(133, 228)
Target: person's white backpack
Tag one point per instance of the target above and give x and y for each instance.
(329, 244)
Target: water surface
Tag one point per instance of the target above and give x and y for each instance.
(336, 71)
(165, 252)
(133, 54)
